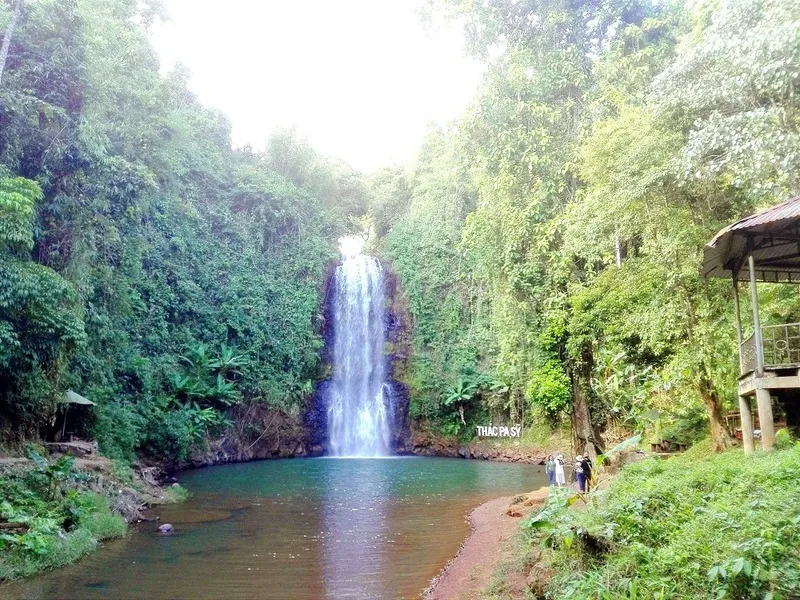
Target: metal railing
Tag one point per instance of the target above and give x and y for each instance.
(781, 344)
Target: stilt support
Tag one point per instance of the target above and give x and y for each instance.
(765, 419)
(747, 424)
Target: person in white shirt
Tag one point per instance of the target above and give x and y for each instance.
(560, 480)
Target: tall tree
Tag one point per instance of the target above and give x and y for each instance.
(9, 33)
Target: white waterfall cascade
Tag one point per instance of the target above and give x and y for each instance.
(358, 402)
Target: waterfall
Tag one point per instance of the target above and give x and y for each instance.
(358, 399)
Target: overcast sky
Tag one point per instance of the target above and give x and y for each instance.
(360, 78)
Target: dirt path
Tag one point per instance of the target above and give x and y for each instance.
(470, 572)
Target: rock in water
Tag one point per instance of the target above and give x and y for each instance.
(166, 528)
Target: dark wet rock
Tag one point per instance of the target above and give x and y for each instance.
(315, 419)
(398, 352)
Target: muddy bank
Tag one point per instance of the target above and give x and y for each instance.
(493, 524)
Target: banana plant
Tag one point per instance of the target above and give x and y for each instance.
(459, 395)
(198, 359)
(228, 361)
(225, 391)
(55, 473)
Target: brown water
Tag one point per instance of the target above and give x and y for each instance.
(294, 529)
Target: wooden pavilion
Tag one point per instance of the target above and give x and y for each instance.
(762, 247)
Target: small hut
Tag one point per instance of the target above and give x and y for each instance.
(764, 247)
(69, 419)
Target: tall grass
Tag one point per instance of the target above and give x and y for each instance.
(698, 526)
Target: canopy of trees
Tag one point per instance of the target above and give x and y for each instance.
(550, 239)
(142, 261)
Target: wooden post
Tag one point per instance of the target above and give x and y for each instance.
(763, 399)
(744, 403)
(756, 318)
(64, 425)
(747, 425)
(738, 319)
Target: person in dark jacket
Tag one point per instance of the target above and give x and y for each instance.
(578, 470)
(586, 467)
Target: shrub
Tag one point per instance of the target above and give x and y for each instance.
(175, 494)
(117, 429)
(696, 526)
(60, 532)
(170, 434)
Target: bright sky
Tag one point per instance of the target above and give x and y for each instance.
(360, 78)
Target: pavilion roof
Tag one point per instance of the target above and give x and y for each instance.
(71, 397)
(772, 236)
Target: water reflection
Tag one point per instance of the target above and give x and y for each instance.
(355, 546)
(316, 528)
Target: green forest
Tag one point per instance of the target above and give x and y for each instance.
(145, 263)
(547, 242)
(550, 239)
(546, 246)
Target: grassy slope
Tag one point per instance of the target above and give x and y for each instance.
(696, 526)
(47, 545)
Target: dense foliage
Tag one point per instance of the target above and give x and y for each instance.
(551, 237)
(689, 527)
(143, 262)
(547, 241)
(61, 517)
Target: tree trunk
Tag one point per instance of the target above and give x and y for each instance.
(7, 37)
(587, 439)
(720, 438)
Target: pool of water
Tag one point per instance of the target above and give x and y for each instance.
(294, 529)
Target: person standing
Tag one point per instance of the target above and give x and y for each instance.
(579, 474)
(560, 480)
(586, 467)
(550, 469)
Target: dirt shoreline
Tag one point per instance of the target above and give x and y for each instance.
(469, 573)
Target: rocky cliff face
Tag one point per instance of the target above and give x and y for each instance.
(398, 352)
(315, 417)
(258, 433)
(261, 433)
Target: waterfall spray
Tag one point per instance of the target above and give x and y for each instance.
(358, 402)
